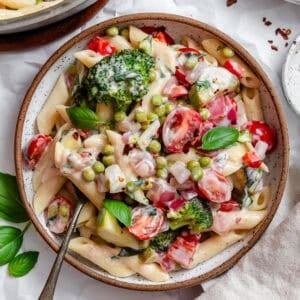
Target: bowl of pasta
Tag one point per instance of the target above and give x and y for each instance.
(23, 15)
(174, 134)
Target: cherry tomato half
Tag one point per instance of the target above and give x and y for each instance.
(180, 128)
(159, 33)
(101, 46)
(36, 148)
(230, 205)
(234, 68)
(252, 160)
(146, 221)
(180, 75)
(262, 132)
(215, 187)
(189, 50)
(58, 214)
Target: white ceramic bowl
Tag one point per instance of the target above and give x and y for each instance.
(176, 26)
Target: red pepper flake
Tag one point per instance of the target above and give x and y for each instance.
(264, 19)
(230, 2)
(274, 48)
(270, 41)
(283, 32)
(266, 22)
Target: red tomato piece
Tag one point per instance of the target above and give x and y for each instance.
(180, 128)
(262, 132)
(178, 91)
(165, 38)
(58, 214)
(230, 205)
(182, 252)
(189, 50)
(36, 148)
(149, 29)
(180, 75)
(234, 68)
(101, 46)
(215, 187)
(252, 160)
(146, 222)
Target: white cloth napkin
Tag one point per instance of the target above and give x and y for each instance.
(271, 270)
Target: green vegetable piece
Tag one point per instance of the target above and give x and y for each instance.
(155, 146)
(162, 119)
(108, 150)
(83, 118)
(149, 256)
(169, 107)
(125, 33)
(11, 239)
(119, 116)
(23, 263)
(227, 52)
(140, 116)
(245, 136)
(196, 214)
(88, 174)
(98, 167)
(11, 208)
(121, 79)
(119, 209)
(157, 100)
(131, 186)
(204, 113)
(152, 117)
(112, 31)
(64, 211)
(108, 160)
(196, 173)
(205, 161)
(162, 173)
(161, 162)
(192, 61)
(192, 164)
(219, 138)
(146, 45)
(152, 75)
(163, 240)
(200, 93)
(160, 110)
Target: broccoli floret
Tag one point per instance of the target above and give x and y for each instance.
(196, 214)
(163, 240)
(121, 78)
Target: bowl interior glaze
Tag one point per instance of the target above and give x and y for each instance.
(176, 26)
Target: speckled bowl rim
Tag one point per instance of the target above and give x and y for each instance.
(246, 57)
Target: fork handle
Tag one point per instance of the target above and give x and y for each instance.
(49, 288)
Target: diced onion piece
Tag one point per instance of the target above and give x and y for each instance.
(261, 149)
(142, 163)
(146, 137)
(180, 172)
(115, 178)
(193, 76)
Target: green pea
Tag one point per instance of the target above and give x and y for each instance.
(162, 173)
(131, 186)
(155, 146)
(191, 62)
(160, 110)
(125, 33)
(161, 162)
(98, 167)
(157, 100)
(152, 75)
(144, 125)
(108, 160)
(112, 31)
(64, 210)
(196, 173)
(162, 119)
(119, 116)
(88, 174)
(140, 116)
(108, 150)
(205, 161)
(193, 164)
(152, 117)
(227, 52)
(169, 107)
(204, 113)
(52, 211)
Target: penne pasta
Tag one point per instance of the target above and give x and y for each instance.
(261, 199)
(88, 57)
(191, 43)
(119, 42)
(17, 4)
(252, 104)
(88, 212)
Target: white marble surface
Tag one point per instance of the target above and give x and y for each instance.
(243, 22)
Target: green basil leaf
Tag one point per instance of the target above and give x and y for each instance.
(119, 209)
(11, 207)
(11, 239)
(219, 137)
(23, 263)
(83, 118)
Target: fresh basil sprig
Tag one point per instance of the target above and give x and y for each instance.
(83, 118)
(119, 209)
(11, 208)
(23, 263)
(219, 138)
